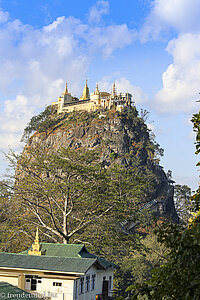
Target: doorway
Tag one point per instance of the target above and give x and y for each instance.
(105, 288)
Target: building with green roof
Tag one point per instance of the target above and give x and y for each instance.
(60, 271)
(9, 291)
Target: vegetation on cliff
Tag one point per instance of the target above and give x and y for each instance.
(42, 122)
(143, 142)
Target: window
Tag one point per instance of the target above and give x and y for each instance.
(33, 284)
(33, 276)
(87, 284)
(81, 285)
(32, 281)
(93, 282)
(57, 283)
(110, 283)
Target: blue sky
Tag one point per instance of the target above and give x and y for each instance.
(151, 48)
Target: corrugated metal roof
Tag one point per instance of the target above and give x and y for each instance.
(71, 251)
(46, 263)
(60, 250)
(9, 291)
(105, 263)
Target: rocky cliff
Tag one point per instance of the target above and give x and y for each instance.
(123, 138)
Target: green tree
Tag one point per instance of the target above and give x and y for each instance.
(128, 188)
(137, 267)
(61, 190)
(13, 234)
(67, 192)
(184, 206)
(196, 128)
(42, 122)
(179, 277)
(5, 211)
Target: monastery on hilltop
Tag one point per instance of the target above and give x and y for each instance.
(90, 102)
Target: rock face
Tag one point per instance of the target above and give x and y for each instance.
(121, 137)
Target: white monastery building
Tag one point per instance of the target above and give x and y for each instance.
(58, 272)
(91, 102)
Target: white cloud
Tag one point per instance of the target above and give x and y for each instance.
(181, 80)
(9, 140)
(123, 85)
(98, 10)
(185, 48)
(110, 38)
(18, 105)
(181, 15)
(4, 16)
(36, 62)
(192, 136)
(54, 25)
(13, 118)
(190, 181)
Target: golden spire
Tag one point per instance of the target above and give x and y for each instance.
(66, 90)
(35, 246)
(37, 237)
(86, 93)
(114, 89)
(97, 89)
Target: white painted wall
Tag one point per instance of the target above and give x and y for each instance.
(98, 284)
(11, 280)
(91, 294)
(63, 292)
(47, 289)
(100, 275)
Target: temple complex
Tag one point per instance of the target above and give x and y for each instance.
(91, 102)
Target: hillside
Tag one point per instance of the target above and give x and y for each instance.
(122, 138)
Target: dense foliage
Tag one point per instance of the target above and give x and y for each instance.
(13, 231)
(178, 277)
(196, 128)
(42, 122)
(184, 205)
(66, 192)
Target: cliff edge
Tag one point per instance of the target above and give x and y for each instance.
(122, 137)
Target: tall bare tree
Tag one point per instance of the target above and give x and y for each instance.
(68, 192)
(63, 191)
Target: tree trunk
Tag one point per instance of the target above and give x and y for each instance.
(65, 240)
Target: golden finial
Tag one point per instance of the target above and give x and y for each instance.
(66, 90)
(35, 246)
(114, 89)
(37, 236)
(86, 93)
(97, 88)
